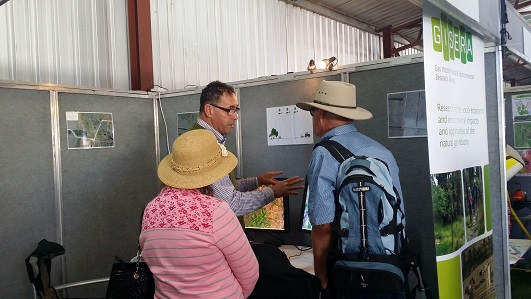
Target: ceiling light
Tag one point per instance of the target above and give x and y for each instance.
(328, 63)
(311, 66)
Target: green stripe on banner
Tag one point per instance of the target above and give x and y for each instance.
(449, 278)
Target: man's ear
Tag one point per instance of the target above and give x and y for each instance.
(207, 111)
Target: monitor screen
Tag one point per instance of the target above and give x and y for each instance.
(272, 217)
(305, 220)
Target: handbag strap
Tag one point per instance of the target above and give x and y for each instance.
(140, 231)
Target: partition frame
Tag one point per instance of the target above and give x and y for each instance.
(54, 93)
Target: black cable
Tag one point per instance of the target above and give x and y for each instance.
(281, 241)
(504, 34)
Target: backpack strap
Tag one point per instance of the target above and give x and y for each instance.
(339, 152)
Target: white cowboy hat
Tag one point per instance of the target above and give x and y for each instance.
(197, 160)
(338, 98)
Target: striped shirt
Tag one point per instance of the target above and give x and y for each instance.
(245, 199)
(323, 170)
(196, 248)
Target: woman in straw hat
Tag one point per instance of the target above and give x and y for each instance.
(192, 242)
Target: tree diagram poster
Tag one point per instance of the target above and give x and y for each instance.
(521, 105)
(454, 71)
(289, 125)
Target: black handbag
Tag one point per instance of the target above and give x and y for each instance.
(131, 280)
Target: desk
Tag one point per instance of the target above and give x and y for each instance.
(299, 259)
(519, 254)
(520, 260)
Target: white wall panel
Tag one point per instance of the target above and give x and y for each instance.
(73, 42)
(231, 40)
(195, 42)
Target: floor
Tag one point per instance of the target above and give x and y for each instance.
(520, 284)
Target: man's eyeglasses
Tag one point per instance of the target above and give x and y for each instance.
(230, 111)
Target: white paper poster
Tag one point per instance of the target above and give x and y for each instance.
(289, 125)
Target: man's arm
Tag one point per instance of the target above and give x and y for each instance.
(321, 243)
(241, 203)
(281, 188)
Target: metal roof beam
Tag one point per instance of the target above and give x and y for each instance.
(388, 32)
(140, 50)
(524, 4)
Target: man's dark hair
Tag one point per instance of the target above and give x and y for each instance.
(213, 92)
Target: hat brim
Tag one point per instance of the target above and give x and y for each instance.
(198, 179)
(357, 113)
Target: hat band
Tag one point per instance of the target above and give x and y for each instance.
(196, 168)
(332, 105)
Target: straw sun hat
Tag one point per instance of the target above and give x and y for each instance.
(338, 98)
(196, 160)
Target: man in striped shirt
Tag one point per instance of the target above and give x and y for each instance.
(218, 113)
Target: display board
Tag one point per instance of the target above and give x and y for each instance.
(28, 212)
(105, 188)
(517, 132)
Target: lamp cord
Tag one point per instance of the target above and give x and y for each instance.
(164, 121)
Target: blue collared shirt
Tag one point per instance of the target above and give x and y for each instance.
(323, 169)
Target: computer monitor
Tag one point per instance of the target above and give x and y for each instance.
(272, 217)
(305, 224)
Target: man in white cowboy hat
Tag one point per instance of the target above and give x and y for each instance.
(334, 109)
(218, 113)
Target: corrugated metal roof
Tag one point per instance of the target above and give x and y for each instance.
(378, 14)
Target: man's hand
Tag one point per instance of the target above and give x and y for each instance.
(268, 178)
(287, 186)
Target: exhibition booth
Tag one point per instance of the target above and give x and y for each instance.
(87, 195)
